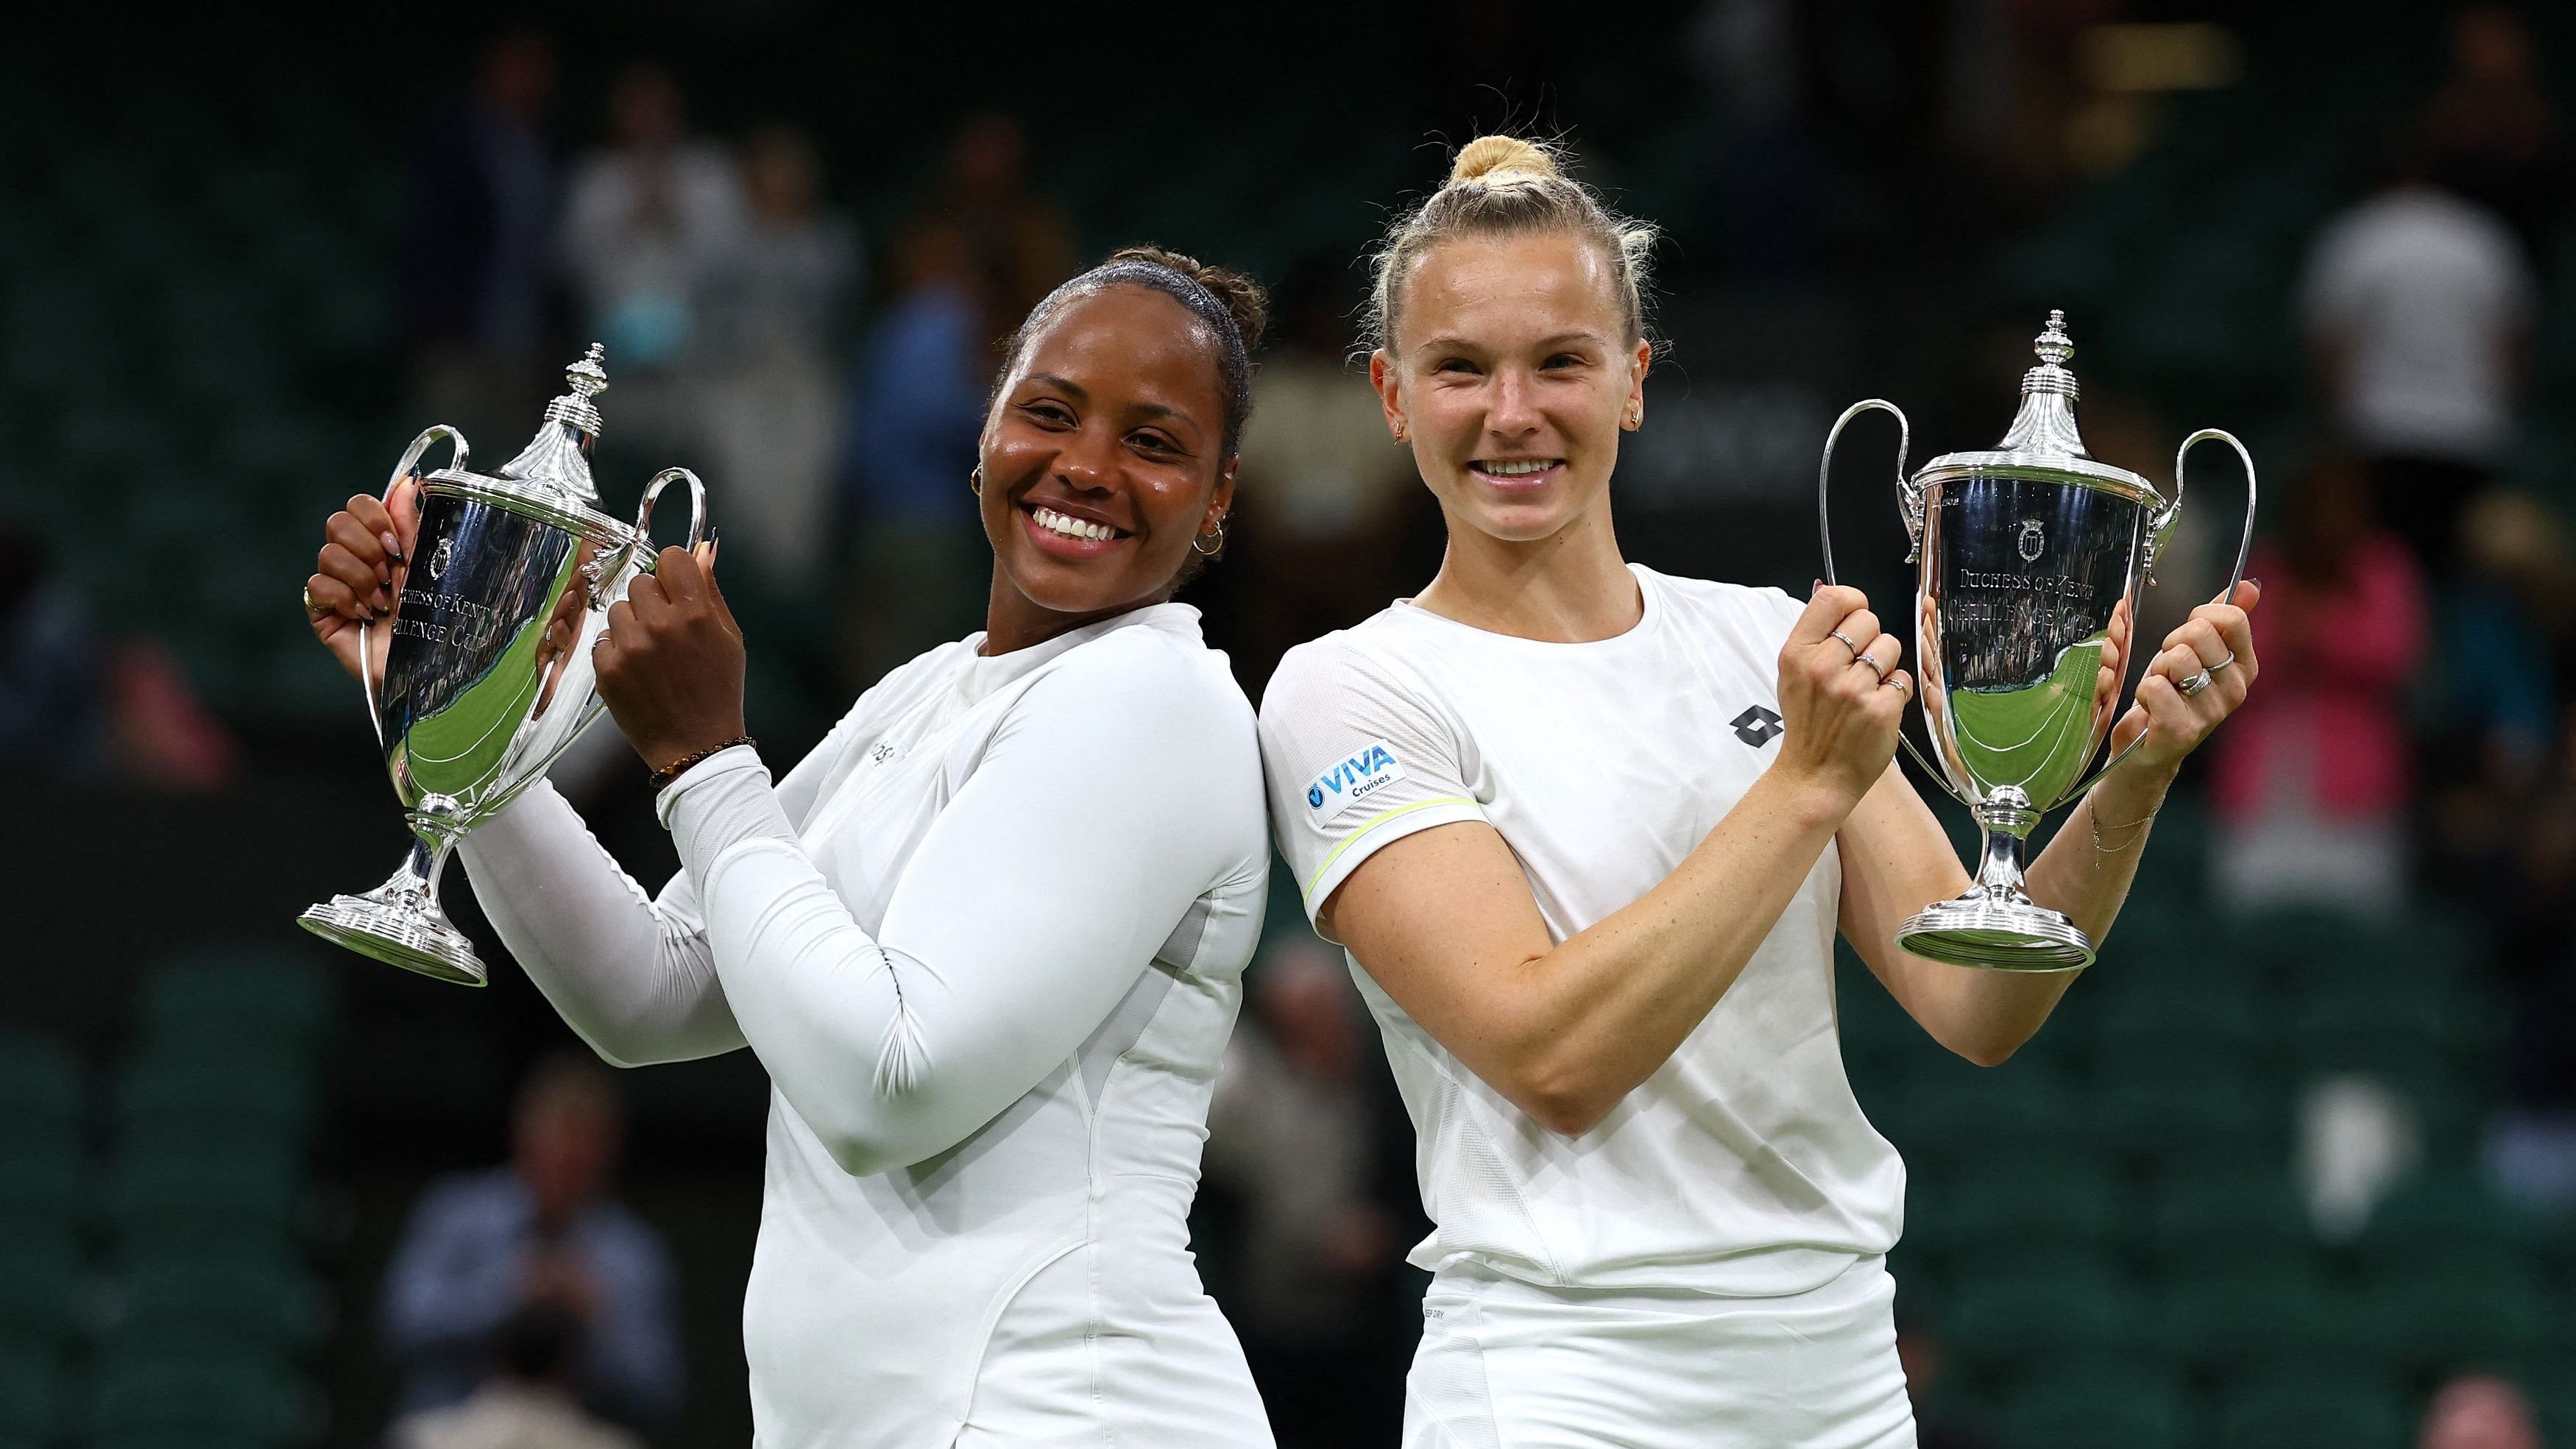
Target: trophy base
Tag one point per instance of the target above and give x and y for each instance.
(1996, 936)
(398, 934)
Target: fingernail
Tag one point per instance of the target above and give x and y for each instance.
(1815, 588)
(381, 602)
(393, 550)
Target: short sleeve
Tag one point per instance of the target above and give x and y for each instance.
(1357, 756)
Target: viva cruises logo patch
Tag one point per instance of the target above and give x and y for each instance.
(1362, 776)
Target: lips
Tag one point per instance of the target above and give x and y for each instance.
(1067, 536)
(1515, 475)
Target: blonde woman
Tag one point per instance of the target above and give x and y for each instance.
(1588, 832)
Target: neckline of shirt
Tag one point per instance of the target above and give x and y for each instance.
(985, 672)
(1649, 621)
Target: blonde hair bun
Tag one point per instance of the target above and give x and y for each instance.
(1497, 156)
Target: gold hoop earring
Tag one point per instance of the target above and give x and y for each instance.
(975, 481)
(1218, 534)
(1402, 434)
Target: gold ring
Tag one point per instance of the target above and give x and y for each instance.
(313, 610)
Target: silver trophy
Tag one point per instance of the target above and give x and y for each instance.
(2025, 553)
(481, 692)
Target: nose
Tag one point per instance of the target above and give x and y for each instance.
(1514, 410)
(1088, 461)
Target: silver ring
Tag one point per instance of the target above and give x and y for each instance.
(2196, 683)
(1873, 667)
(1899, 681)
(2223, 663)
(1847, 644)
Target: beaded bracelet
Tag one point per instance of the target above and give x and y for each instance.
(663, 777)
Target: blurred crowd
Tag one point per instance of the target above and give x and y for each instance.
(2412, 741)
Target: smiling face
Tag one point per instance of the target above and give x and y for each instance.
(1102, 462)
(1512, 372)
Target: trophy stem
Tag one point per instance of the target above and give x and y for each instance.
(1996, 926)
(400, 922)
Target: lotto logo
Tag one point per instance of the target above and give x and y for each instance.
(1757, 726)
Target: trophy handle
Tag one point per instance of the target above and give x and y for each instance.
(366, 636)
(1909, 508)
(2161, 527)
(1909, 498)
(653, 494)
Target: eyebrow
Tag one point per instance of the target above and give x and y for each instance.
(1082, 394)
(1452, 340)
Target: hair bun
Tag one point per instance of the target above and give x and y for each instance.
(1493, 156)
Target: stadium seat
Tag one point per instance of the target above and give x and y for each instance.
(2311, 1410)
(2098, 1404)
(42, 1085)
(2200, 1214)
(269, 998)
(39, 1297)
(2066, 1200)
(30, 1396)
(2199, 1111)
(1950, 1111)
(2447, 1212)
(236, 1203)
(245, 1304)
(2207, 1012)
(196, 1094)
(204, 1398)
(2018, 1314)
(2462, 1310)
(2251, 1309)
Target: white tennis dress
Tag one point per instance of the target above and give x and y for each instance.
(1705, 1266)
(988, 941)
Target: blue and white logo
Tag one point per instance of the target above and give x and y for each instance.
(1361, 776)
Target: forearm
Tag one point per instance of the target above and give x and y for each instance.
(2086, 871)
(896, 1043)
(633, 978)
(1603, 1010)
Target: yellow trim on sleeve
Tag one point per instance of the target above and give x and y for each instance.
(1372, 823)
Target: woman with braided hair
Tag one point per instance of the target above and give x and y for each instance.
(987, 939)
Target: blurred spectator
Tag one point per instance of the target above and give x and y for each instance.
(1017, 246)
(2505, 636)
(478, 248)
(923, 376)
(771, 414)
(648, 220)
(1291, 1136)
(2531, 1148)
(528, 1403)
(1322, 484)
(2479, 1411)
(53, 684)
(75, 704)
(1936, 1425)
(2490, 130)
(543, 1232)
(2418, 309)
(2312, 778)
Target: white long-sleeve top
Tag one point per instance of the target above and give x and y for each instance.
(988, 940)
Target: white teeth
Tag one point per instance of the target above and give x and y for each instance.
(1518, 469)
(1071, 527)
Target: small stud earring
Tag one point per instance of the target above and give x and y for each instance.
(1402, 435)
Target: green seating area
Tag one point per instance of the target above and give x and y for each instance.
(155, 1284)
(2106, 1233)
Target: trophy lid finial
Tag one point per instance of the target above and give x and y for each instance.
(559, 455)
(2046, 422)
(587, 377)
(2052, 344)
